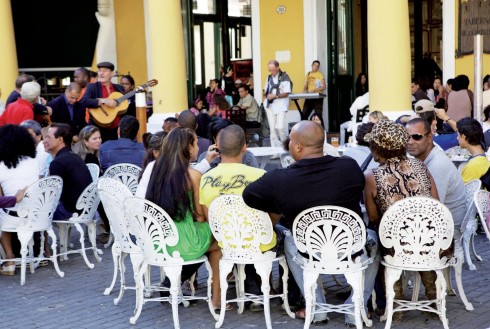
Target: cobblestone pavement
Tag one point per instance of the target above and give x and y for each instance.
(77, 301)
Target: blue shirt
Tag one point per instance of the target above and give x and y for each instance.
(122, 150)
(70, 107)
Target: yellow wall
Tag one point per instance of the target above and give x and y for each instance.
(465, 64)
(279, 32)
(130, 39)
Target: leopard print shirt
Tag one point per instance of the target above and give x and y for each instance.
(400, 178)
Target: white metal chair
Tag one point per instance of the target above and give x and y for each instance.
(154, 231)
(87, 203)
(417, 229)
(470, 223)
(127, 174)
(35, 213)
(112, 194)
(94, 171)
(482, 202)
(241, 230)
(330, 235)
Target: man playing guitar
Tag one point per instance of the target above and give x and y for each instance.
(97, 94)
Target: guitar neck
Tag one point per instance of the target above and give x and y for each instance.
(130, 94)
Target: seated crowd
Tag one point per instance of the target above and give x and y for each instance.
(186, 167)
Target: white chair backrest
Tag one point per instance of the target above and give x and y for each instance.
(40, 202)
(127, 173)
(88, 202)
(112, 193)
(417, 228)
(482, 202)
(94, 171)
(286, 160)
(154, 231)
(329, 235)
(240, 229)
(470, 189)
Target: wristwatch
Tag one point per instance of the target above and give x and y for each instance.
(103, 101)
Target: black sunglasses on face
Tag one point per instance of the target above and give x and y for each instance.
(417, 137)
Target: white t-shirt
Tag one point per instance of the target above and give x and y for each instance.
(280, 104)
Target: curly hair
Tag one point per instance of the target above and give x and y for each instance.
(15, 144)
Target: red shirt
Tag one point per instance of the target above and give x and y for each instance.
(105, 93)
(16, 112)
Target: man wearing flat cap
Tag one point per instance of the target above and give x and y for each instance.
(97, 94)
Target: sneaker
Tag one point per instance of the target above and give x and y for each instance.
(256, 307)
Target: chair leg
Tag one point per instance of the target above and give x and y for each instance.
(139, 294)
(466, 247)
(310, 284)
(209, 291)
(240, 286)
(441, 297)
(24, 238)
(458, 269)
(82, 245)
(54, 256)
(137, 262)
(63, 233)
(391, 276)
(416, 286)
(473, 248)
(173, 274)
(285, 276)
(116, 253)
(32, 262)
(355, 281)
(122, 270)
(264, 270)
(110, 241)
(224, 268)
(92, 236)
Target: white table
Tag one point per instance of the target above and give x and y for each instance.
(264, 153)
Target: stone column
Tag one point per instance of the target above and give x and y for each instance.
(8, 60)
(389, 57)
(167, 56)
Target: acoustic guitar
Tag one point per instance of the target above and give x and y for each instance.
(105, 115)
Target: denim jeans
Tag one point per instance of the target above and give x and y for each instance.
(295, 262)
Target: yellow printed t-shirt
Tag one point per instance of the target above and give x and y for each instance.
(229, 178)
(475, 168)
(314, 80)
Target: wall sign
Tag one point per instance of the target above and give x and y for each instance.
(474, 18)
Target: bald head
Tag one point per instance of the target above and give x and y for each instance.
(187, 119)
(306, 140)
(231, 141)
(309, 134)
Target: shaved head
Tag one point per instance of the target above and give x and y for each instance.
(306, 140)
(309, 134)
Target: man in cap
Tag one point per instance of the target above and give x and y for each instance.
(97, 94)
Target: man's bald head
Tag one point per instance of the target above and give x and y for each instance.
(306, 140)
(309, 134)
(187, 119)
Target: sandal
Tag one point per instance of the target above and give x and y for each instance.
(228, 307)
(7, 270)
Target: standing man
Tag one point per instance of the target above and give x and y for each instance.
(277, 89)
(287, 192)
(97, 94)
(82, 77)
(249, 104)
(449, 183)
(69, 166)
(67, 109)
(314, 83)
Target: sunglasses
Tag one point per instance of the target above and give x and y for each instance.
(417, 137)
